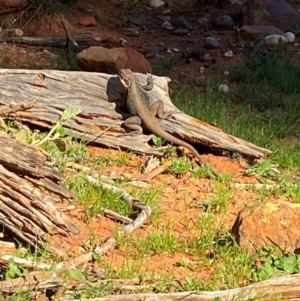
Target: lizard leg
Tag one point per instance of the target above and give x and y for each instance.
(157, 109)
(149, 85)
(133, 125)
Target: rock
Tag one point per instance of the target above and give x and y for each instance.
(100, 59)
(290, 37)
(225, 22)
(112, 39)
(137, 20)
(223, 88)
(87, 21)
(211, 43)
(228, 53)
(181, 32)
(257, 32)
(274, 39)
(268, 224)
(156, 3)
(279, 13)
(181, 22)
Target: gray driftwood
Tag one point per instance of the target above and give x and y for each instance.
(280, 288)
(99, 97)
(28, 190)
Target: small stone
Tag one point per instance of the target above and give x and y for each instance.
(202, 69)
(182, 74)
(181, 32)
(166, 19)
(123, 41)
(225, 22)
(161, 44)
(290, 37)
(171, 27)
(211, 43)
(156, 3)
(137, 20)
(112, 39)
(223, 88)
(133, 33)
(257, 32)
(273, 39)
(167, 11)
(87, 21)
(166, 24)
(296, 44)
(226, 72)
(228, 53)
(176, 50)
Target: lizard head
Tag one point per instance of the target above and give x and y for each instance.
(126, 77)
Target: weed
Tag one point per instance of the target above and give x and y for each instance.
(47, 6)
(165, 66)
(180, 166)
(270, 264)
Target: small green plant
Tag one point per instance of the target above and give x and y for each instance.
(180, 166)
(165, 66)
(273, 265)
(47, 6)
(58, 129)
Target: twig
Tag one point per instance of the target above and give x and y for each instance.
(145, 212)
(26, 263)
(147, 177)
(117, 216)
(69, 37)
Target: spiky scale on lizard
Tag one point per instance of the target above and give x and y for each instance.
(138, 104)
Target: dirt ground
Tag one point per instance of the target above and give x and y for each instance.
(178, 191)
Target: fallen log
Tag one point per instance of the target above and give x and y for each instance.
(280, 288)
(99, 95)
(28, 190)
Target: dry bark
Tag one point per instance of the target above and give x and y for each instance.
(280, 288)
(28, 188)
(99, 97)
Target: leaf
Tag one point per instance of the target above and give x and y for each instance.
(76, 275)
(60, 130)
(61, 144)
(289, 264)
(70, 112)
(13, 268)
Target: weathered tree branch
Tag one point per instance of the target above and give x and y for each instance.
(99, 97)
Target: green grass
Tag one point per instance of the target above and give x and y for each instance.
(263, 108)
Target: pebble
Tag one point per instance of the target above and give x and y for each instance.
(273, 39)
(211, 43)
(223, 88)
(290, 37)
(156, 3)
(226, 72)
(167, 11)
(223, 22)
(123, 41)
(166, 19)
(296, 44)
(87, 21)
(166, 24)
(181, 32)
(202, 69)
(228, 53)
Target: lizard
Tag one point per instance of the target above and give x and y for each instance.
(138, 105)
